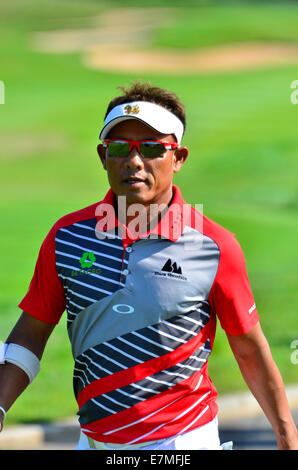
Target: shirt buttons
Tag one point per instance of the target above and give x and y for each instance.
(125, 272)
(129, 249)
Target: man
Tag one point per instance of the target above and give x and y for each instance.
(143, 277)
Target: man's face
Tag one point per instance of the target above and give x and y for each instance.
(142, 180)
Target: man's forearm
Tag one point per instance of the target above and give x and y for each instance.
(264, 380)
(32, 334)
(13, 382)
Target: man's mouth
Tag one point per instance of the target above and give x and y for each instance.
(133, 180)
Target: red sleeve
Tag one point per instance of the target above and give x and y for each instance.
(231, 296)
(45, 298)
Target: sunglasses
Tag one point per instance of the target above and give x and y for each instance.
(146, 148)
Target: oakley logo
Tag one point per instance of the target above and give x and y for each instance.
(132, 109)
(124, 309)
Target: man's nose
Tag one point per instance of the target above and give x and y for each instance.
(134, 159)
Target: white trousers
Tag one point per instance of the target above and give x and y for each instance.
(203, 438)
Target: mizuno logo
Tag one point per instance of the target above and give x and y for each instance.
(171, 267)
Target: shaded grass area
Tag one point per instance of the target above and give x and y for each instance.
(221, 23)
(242, 136)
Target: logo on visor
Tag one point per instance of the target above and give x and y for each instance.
(132, 109)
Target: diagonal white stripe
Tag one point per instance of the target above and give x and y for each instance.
(96, 241)
(145, 389)
(86, 379)
(109, 235)
(154, 355)
(80, 247)
(99, 231)
(86, 368)
(151, 341)
(111, 399)
(76, 305)
(70, 313)
(121, 352)
(107, 279)
(125, 367)
(197, 322)
(166, 334)
(76, 268)
(97, 365)
(173, 419)
(176, 374)
(153, 413)
(179, 328)
(81, 296)
(159, 381)
(96, 377)
(203, 313)
(188, 367)
(82, 283)
(104, 407)
(79, 377)
(135, 397)
(108, 358)
(197, 358)
(136, 347)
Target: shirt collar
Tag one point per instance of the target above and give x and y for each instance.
(170, 226)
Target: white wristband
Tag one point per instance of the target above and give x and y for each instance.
(3, 347)
(23, 358)
(4, 413)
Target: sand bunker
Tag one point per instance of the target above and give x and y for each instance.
(118, 41)
(30, 145)
(220, 59)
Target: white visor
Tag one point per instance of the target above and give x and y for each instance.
(155, 116)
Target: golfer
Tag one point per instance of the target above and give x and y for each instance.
(144, 277)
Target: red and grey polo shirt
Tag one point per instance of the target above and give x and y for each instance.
(141, 316)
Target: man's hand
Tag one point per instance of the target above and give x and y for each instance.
(1, 420)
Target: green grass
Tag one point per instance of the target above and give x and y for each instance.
(242, 136)
(223, 23)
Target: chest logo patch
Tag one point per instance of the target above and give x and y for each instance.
(171, 267)
(87, 260)
(172, 270)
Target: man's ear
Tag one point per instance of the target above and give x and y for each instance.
(180, 156)
(102, 155)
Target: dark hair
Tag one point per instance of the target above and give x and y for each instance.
(139, 91)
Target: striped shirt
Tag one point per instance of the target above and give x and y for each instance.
(141, 316)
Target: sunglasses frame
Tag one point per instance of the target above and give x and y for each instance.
(136, 143)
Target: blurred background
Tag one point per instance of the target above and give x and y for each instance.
(232, 64)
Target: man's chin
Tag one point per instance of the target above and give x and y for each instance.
(135, 194)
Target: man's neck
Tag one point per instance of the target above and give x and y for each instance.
(147, 215)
